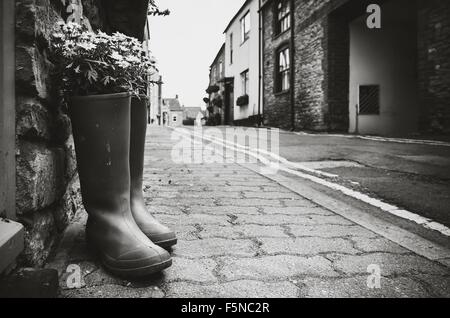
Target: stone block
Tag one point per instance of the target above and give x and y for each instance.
(40, 177)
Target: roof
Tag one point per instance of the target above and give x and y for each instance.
(173, 104)
(237, 14)
(192, 112)
(221, 51)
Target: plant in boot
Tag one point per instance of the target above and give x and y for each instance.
(96, 74)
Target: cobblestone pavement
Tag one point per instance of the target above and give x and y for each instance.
(242, 235)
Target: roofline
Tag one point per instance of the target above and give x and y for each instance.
(222, 49)
(236, 15)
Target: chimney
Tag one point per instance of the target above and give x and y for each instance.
(176, 96)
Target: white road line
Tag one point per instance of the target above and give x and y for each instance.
(394, 210)
(382, 139)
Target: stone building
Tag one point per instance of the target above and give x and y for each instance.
(39, 185)
(174, 114)
(216, 90)
(328, 67)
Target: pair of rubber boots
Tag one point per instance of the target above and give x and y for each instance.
(109, 134)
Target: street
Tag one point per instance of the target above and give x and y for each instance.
(244, 234)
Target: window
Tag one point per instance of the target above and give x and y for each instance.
(220, 68)
(231, 48)
(369, 100)
(245, 27)
(174, 119)
(283, 74)
(245, 82)
(283, 16)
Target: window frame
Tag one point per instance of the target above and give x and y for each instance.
(278, 21)
(231, 48)
(279, 74)
(245, 82)
(245, 35)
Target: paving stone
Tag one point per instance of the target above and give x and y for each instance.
(222, 210)
(213, 247)
(237, 289)
(378, 245)
(292, 219)
(192, 219)
(179, 202)
(390, 264)
(275, 267)
(356, 287)
(273, 195)
(183, 269)
(249, 202)
(307, 209)
(113, 291)
(330, 231)
(437, 284)
(161, 209)
(307, 246)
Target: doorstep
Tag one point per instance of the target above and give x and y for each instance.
(11, 243)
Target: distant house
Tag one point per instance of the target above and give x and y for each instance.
(173, 112)
(192, 112)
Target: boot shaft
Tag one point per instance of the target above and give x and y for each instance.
(101, 129)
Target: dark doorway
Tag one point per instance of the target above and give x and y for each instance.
(229, 101)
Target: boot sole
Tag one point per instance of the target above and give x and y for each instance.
(139, 272)
(167, 244)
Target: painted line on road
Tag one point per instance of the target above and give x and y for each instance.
(382, 139)
(391, 209)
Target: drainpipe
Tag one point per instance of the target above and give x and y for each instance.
(260, 61)
(292, 65)
(357, 120)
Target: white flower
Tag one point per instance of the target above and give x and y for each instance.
(132, 59)
(123, 64)
(87, 46)
(116, 56)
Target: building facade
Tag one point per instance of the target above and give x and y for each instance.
(369, 67)
(173, 114)
(219, 108)
(242, 65)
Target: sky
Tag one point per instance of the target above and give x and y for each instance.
(186, 42)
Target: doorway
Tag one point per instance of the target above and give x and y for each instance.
(229, 101)
(383, 80)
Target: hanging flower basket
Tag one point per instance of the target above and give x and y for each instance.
(212, 89)
(242, 100)
(218, 102)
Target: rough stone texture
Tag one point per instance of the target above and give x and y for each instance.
(311, 253)
(48, 193)
(434, 65)
(40, 174)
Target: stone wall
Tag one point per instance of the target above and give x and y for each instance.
(434, 65)
(48, 194)
(277, 106)
(320, 100)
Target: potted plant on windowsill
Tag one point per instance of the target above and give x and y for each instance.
(242, 100)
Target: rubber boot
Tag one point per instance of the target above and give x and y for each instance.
(155, 231)
(101, 126)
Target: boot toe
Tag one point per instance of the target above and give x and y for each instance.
(160, 235)
(143, 261)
